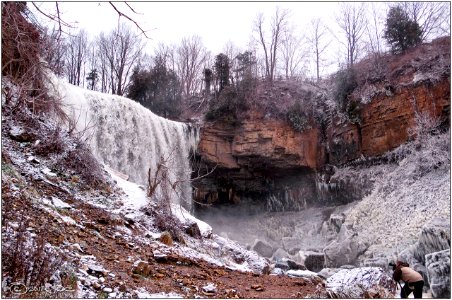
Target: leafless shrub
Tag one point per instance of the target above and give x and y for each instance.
(159, 186)
(28, 262)
(50, 144)
(425, 125)
(81, 161)
(162, 189)
(21, 49)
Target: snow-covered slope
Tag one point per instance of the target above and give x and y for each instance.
(407, 195)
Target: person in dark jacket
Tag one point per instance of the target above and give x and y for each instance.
(413, 280)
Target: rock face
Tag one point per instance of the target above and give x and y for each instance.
(412, 85)
(260, 144)
(261, 158)
(314, 261)
(438, 268)
(360, 283)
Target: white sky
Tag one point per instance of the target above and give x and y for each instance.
(215, 22)
(169, 22)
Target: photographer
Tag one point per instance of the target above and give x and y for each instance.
(413, 280)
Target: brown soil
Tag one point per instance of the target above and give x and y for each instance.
(176, 274)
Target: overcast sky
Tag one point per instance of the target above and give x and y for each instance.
(167, 22)
(215, 22)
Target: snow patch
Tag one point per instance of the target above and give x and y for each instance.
(143, 294)
(60, 204)
(301, 273)
(186, 218)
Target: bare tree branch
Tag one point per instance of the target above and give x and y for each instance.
(121, 14)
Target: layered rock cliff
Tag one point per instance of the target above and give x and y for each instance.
(265, 158)
(394, 96)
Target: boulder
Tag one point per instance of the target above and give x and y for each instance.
(380, 262)
(279, 255)
(344, 251)
(435, 236)
(282, 265)
(263, 249)
(438, 272)
(295, 266)
(328, 272)
(291, 244)
(314, 261)
(364, 282)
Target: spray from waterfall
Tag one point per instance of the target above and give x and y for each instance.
(131, 139)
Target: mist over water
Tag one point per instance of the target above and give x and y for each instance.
(292, 231)
(131, 139)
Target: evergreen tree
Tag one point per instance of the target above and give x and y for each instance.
(245, 60)
(222, 70)
(401, 32)
(157, 89)
(92, 78)
(208, 79)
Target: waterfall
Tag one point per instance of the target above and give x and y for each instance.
(131, 139)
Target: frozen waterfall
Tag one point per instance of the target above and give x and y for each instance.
(131, 139)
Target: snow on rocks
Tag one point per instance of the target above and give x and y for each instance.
(438, 270)
(143, 294)
(19, 134)
(60, 204)
(301, 273)
(417, 190)
(209, 289)
(365, 282)
(48, 172)
(186, 218)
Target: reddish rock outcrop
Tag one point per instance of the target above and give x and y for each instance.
(260, 144)
(414, 84)
(259, 158)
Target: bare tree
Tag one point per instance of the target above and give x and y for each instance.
(190, 58)
(317, 39)
(278, 26)
(351, 20)
(167, 53)
(55, 50)
(292, 53)
(375, 26)
(119, 51)
(432, 17)
(231, 51)
(77, 49)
